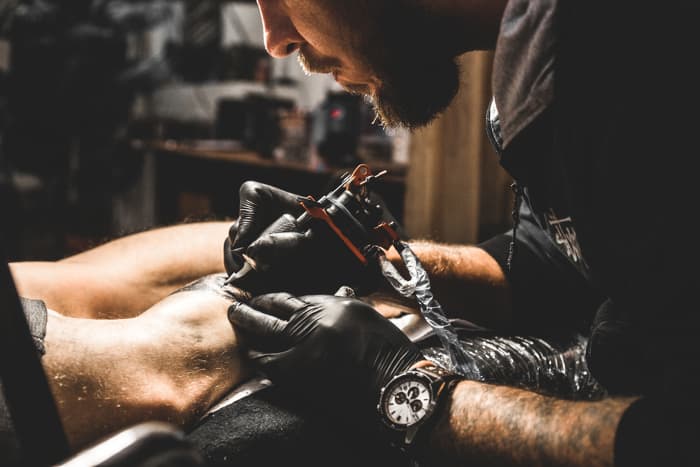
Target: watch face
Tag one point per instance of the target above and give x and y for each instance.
(406, 402)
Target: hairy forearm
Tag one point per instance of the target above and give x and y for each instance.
(495, 425)
(466, 280)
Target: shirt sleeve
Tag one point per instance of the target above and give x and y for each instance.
(549, 294)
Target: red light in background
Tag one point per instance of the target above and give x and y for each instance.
(337, 114)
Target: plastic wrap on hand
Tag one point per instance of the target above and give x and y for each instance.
(555, 367)
(552, 367)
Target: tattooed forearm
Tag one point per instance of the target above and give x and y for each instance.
(494, 425)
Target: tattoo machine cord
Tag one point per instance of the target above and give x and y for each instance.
(418, 286)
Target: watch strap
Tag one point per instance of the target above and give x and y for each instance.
(422, 432)
(442, 381)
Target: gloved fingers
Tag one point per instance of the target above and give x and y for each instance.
(363, 316)
(255, 355)
(260, 331)
(271, 197)
(275, 248)
(284, 368)
(267, 363)
(233, 230)
(260, 205)
(281, 305)
(259, 358)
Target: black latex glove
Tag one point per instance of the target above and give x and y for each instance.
(335, 353)
(260, 205)
(280, 255)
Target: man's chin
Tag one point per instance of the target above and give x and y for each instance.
(413, 111)
(412, 98)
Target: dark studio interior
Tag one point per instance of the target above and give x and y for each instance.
(113, 125)
(213, 255)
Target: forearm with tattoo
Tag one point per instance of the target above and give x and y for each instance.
(495, 425)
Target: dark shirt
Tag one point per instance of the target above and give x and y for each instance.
(549, 268)
(597, 105)
(36, 314)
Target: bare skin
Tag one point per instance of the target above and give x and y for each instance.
(161, 355)
(170, 363)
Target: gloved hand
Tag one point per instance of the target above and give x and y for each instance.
(260, 205)
(327, 263)
(334, 352)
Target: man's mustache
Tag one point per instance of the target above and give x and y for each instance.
(311, 64)
(314, 64)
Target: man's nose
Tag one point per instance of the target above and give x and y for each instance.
(281, 37)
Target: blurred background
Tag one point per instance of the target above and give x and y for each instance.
(120, 116)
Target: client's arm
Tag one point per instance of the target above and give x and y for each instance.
(124, 277)
(170, 363)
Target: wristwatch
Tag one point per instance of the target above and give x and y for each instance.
(409, 400)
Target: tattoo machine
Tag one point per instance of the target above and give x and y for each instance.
(348, 211)
(359, 223)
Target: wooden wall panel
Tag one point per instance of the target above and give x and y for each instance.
(455, 186)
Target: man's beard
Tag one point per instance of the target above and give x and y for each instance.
(413, 91)
(413, 95)
(418, 78)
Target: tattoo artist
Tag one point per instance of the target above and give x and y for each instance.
(594, 112)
